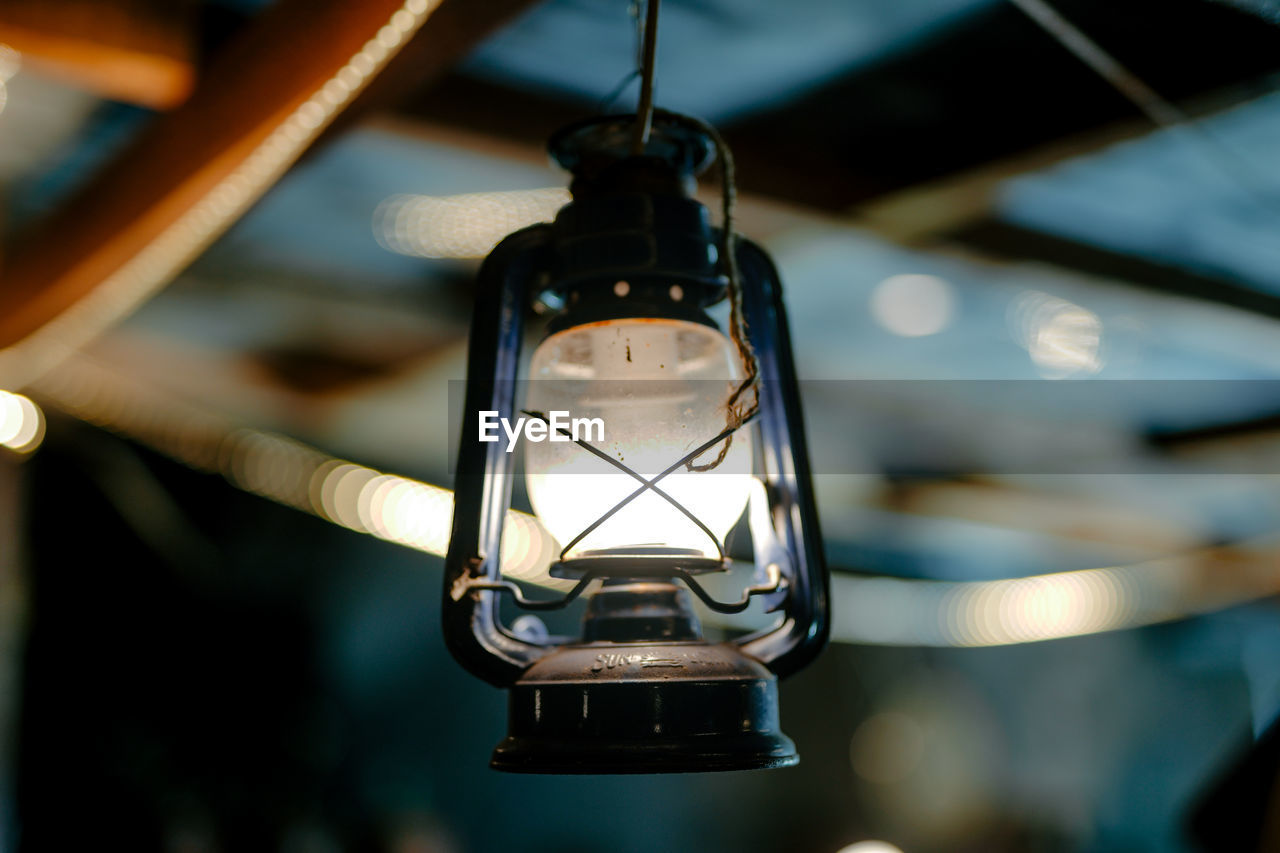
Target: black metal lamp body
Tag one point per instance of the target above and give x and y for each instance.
(640, 690)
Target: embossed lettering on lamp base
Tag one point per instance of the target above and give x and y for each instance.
(665, 702)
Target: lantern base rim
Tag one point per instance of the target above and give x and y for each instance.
(650, 707)
(628, 757)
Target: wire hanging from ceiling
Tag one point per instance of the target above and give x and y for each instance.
(648, 57)
(1162, 112)
(738, 409)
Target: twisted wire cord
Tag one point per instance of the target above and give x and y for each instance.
(738, 410)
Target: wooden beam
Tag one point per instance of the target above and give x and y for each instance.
(1093, 519)
(424, 63)
(991, 87)
(1001, 242)
(195, 170)
(482, 109)
(920, 214)
(138, 51)
(949, 213)
(915, 145)
(925, 212)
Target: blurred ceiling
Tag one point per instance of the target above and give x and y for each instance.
(949, 193)
(968, 220)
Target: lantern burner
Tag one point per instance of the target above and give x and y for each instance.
(643, 693)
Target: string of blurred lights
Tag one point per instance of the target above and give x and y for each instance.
(892, 611)
(866, 610)
(461, 226)
(206, 219)
(387, 506)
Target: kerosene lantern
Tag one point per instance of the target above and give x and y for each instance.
(700, 426)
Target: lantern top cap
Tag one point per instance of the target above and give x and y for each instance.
(590, 147)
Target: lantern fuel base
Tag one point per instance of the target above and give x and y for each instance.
(634, 261)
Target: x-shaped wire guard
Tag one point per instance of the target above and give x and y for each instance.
(774, 573)
(647, 485)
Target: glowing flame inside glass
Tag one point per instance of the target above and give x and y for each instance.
(659, 387)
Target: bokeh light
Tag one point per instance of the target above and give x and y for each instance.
(1062, 338)
(10, 62)
(870, 847)
(461, 226)
(21, 423)
(387, 506)
(913, 305)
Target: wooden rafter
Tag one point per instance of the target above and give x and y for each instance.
(139, 51)
(265, 100)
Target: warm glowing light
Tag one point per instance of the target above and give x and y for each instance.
(387, 506)
(1037, 608)
(913, 305)
(893, 611)
(1062, 338)
(461, 226)
(659, 388)
(417, 515)
(21, 423)
(271, 465)
(871, 847)
(10, 62)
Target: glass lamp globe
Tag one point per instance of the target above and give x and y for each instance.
(659, 389)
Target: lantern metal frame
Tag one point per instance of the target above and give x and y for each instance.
(719, 711)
